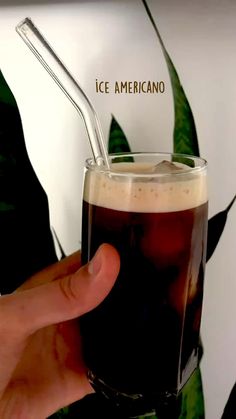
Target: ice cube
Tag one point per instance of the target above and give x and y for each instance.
(166, 166)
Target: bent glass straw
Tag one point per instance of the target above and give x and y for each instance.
(61, 75)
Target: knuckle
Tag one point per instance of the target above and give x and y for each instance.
(68, 290)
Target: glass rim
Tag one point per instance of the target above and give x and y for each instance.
(91, 164)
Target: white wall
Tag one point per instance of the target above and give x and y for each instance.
(114, 40)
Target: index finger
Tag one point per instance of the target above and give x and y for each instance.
(59, 269)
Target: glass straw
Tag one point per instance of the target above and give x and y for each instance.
(61, 75)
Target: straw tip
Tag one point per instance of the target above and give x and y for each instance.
(22, 26)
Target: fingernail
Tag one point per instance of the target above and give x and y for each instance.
(95, 264)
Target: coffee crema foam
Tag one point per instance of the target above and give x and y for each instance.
(175, 192)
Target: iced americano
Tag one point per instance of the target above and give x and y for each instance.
(143, 339)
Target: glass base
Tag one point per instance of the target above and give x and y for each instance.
(160, 406)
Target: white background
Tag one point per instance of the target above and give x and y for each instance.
(114, 40)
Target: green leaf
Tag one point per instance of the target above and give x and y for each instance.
(216, 227)
(63, 254)
(185, 135)
(6, 95)
(24, 216)
(192, 398)
(230, 408)
(61, 414)
(118, 142)
(5, 206)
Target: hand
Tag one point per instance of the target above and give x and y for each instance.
(41, 365)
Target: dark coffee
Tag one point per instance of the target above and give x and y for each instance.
(143, 339)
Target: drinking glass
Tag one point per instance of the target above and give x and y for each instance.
(141, 343)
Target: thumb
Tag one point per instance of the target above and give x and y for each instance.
(66, 298)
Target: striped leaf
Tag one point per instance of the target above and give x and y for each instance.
(185, 135)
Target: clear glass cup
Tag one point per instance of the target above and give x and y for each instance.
(141, 343)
